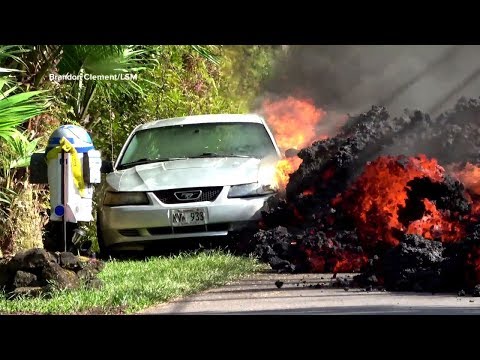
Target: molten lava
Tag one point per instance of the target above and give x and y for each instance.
(469, 176)
(332, 258)
(472, 265)
(435, 225)
(308, 192)
(406, 223)
(377, 197)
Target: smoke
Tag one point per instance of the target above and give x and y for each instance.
(349, 79)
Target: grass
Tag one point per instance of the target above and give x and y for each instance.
(130, 286)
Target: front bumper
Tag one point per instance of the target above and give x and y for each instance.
(136, 224)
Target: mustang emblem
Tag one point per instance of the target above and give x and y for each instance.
(188, 195)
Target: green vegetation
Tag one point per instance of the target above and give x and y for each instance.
(16, 196)
(171, 81)
(185, 82)
(130, 286)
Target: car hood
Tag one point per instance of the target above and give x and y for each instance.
(188, 173)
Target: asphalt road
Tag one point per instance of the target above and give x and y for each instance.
(258, 295)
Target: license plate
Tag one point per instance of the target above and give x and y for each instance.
(188, 217)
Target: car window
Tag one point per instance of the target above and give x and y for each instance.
(216, 139)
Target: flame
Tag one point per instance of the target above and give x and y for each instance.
(284, 169)
(294, 125)
(293, 121)
(376, 197)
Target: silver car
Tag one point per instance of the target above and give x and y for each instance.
(195, 176)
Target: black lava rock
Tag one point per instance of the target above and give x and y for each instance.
(311, 234)
(415, 264)
(25, 279)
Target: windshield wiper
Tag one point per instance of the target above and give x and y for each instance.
(144, 161)
(213, 154)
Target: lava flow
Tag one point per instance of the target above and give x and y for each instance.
(365, 200)
(469, 175)
(382, 209)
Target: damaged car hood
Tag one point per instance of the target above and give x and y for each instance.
(186, 173)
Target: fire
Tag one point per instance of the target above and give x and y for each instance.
(380, 193)
(294, 124)
(283, 170)
(403, 222)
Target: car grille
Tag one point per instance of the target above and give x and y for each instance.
(167, 230)
(208, 194)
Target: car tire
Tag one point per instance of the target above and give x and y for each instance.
(105, 252)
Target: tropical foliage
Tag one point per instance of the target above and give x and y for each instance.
(152, 82)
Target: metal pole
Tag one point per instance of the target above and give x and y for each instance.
(64, 200)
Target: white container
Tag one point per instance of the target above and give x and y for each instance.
(78, 193)
(79, 206)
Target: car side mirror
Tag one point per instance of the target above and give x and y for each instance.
(291, 153)
(107, 167)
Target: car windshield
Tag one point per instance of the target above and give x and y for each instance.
(198, 140)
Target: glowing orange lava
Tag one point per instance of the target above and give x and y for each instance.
(335, 261)
(376, 197)
(469, 176)
(308, 192)
(434, 225)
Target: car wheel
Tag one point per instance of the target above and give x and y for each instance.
(105, 252)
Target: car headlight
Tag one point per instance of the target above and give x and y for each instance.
(249, 190)
(125, 198)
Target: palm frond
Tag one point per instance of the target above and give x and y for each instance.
(7, 196)
(16, 109)
(7, 71)
(22, 149)
(94, 59)
(104, 60)
(207, 52)
(12, 51)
